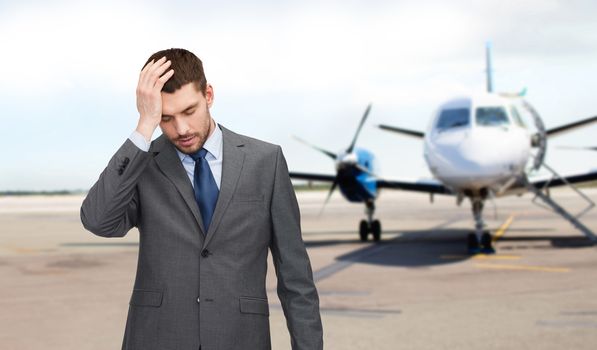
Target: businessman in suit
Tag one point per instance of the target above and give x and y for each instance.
(208, 204)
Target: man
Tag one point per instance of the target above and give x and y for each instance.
(208, 204)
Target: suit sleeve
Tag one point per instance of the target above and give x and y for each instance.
(296, 289)
(110, 208)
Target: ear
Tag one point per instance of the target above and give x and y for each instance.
(209, 95)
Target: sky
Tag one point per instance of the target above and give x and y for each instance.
(69, 70)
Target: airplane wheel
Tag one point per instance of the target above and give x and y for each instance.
(487, 244)
(363, 230)
(473, 244)
(376, 230)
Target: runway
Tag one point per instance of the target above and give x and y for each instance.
(64, 288)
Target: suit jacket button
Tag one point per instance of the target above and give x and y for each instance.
(204, 253)
(126, 160)
(198, 300)
(120, 171)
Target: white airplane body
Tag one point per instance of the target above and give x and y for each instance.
(476, 142)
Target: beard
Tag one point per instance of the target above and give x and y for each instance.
(198, 139)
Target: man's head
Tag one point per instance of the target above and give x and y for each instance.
(188, 68)
(186, 99)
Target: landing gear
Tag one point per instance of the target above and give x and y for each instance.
(487, 244)
(376, 230)
(480, 241)
(363, 230)
(473, 244)
(370, 225)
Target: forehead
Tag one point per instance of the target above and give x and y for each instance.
(181, 99)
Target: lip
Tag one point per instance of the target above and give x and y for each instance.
(186, 142)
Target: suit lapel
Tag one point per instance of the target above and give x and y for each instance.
(232, 164)
(168, 161)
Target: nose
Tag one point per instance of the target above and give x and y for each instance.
(182, 128)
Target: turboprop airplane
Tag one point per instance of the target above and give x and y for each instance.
(479, 147)
(355, 176)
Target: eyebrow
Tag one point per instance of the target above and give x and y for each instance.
(194, 105)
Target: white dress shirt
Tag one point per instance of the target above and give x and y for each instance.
(213, 145)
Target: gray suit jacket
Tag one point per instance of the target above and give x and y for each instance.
(194, 289)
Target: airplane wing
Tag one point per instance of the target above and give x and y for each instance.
(312, 177)
(568, 127)
(428, 186)
(435, 187)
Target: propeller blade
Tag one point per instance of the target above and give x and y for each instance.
(571, 126)
(326, 152)
(579, 148)
(327, 199)
(356, 135)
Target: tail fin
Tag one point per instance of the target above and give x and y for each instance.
(488, 68)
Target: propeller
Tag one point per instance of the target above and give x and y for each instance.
(327, 199)
(324, 151)
(579, 148)
(334, 156)
(356, 135)
(539, 140)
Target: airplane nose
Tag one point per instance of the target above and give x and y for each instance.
(494, 149)
(479, 154)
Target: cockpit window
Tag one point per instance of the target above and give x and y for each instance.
(516, 116)
(452, 118)
(491, 116)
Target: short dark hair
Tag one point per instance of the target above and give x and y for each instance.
(188, 68)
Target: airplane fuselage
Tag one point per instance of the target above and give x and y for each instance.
(477, 143)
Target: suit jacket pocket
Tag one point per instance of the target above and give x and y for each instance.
(143, 297)
(251, 305)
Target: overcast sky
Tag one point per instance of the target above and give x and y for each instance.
(308, 68)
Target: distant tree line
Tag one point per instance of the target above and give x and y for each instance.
(309, 186)
(41, 193)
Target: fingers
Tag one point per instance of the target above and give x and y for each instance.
(163, 79)
(151, 81)
(149, 64)
(153, 63)
(147, 78)
(159, 72)
(145, 69)
(151, 73)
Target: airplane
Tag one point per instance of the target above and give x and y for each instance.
(478, 147)
(355, 177)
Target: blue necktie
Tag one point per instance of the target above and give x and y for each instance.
(206, 190)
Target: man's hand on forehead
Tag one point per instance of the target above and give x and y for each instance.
(149, 98)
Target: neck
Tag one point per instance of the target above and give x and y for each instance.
(212, 126)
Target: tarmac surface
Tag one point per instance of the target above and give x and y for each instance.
(64, 288)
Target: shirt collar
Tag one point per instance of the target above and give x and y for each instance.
(213, 144)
